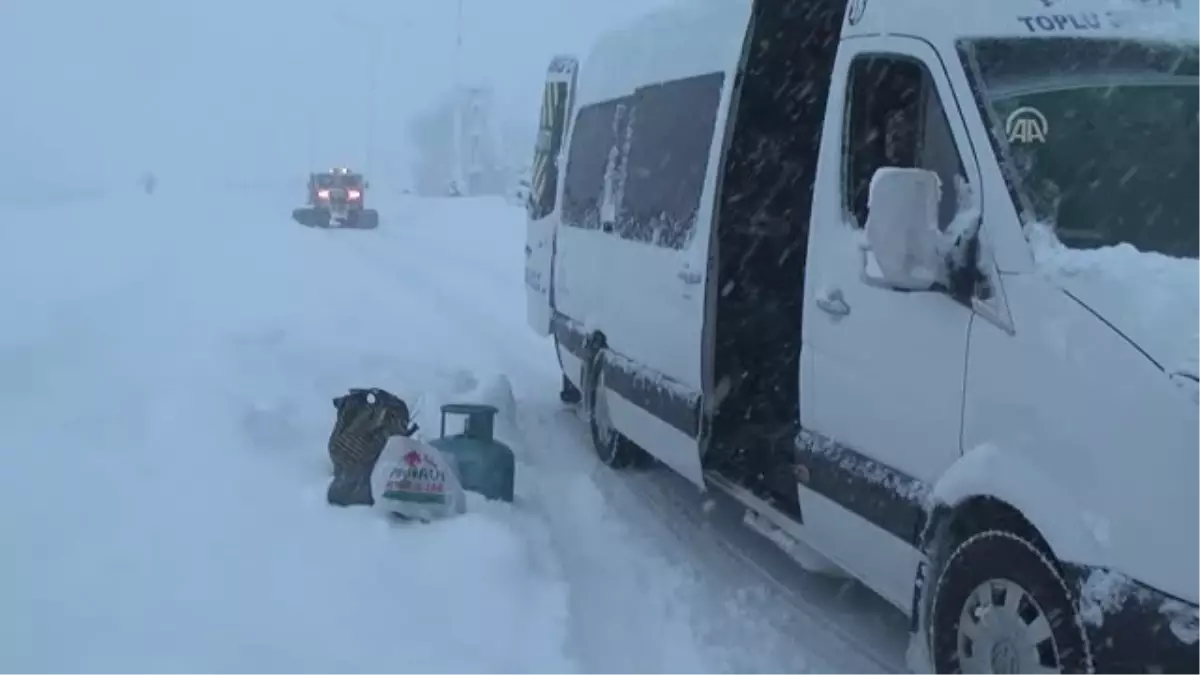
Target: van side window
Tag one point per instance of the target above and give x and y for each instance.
(597, 132)
(636, 165)
(895, 117)
(672, 135)
(544, 186)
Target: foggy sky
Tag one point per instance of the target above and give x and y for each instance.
(93, 92)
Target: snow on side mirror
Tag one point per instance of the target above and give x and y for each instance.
(902, 232)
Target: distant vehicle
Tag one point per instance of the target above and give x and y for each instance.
(336, 199)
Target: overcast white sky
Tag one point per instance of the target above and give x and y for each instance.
(94, 91)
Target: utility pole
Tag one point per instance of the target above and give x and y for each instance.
(372, 100)
(372, 35)
(456, 166)
(312, 135)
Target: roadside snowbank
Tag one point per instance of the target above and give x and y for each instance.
(162, 486)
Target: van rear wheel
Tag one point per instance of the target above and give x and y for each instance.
(1001, 606)
(611, 445)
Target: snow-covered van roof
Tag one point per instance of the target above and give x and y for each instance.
(695, 37)
(691, 38)
(941, 20)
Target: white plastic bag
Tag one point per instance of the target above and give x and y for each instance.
(415, 480)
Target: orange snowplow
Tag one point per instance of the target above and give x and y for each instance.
(336, 198)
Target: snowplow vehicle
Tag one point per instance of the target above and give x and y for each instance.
(336, 199)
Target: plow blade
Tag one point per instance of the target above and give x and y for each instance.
(311, 217)
(368, 219)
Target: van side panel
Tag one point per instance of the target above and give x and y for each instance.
(632, 249)
(630, 265)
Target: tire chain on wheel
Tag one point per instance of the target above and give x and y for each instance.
(620, 455)
(1047, 564)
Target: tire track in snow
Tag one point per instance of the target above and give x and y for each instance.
(767, 610)
(744, 602)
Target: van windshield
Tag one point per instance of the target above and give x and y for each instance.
(1097, 137)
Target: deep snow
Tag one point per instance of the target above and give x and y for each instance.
(167, 366)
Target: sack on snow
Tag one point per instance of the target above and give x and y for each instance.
(415, 480)
(366, 418)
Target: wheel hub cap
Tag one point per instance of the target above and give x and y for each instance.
(1003, 630)
(1005, 658)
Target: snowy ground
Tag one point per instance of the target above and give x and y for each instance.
(166, 373)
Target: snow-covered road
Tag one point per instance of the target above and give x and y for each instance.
(166, 372)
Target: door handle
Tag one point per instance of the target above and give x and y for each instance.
(689, 277)
(833, 303)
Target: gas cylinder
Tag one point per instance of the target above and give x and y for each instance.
(485, 465)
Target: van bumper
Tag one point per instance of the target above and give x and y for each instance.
(1132, 627)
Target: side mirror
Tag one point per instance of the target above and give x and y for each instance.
(902, 231)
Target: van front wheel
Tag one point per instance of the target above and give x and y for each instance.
(611, 445)
(1001, 606)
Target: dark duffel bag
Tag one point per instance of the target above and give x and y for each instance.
(366, 418)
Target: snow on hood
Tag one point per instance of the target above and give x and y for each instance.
(1152, 298)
